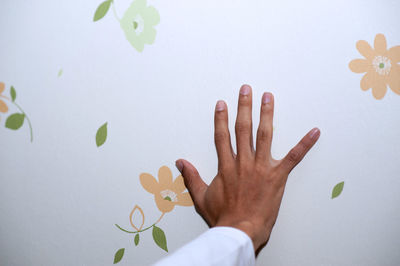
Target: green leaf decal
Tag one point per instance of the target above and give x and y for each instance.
(60, 72)
(337, 189)
(101, 135)
(15, 121)
(118, 255)
(13, 93)
(136, 239)
(159, 238)
(102, 10)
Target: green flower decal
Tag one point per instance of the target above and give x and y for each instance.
(138, 24)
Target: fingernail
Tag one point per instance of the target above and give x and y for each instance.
(179, 165)
(314, 133)
(220, 106)
(245, 90)
(267, 97)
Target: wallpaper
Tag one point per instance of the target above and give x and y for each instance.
(98, 100)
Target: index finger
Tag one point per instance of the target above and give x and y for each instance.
(222, 136)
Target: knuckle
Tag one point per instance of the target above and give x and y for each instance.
(243, 127)
(294, 155)
(260, 170)
(220, 135)
(266, 109)
(220, 115)
(224, 170)
(263, 133)
(266, 173)
(244, 168)
(226, 173)
(244, 100)
(303, 146)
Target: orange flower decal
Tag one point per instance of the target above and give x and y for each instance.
(3, 105)
(167, 192)
(381, 67)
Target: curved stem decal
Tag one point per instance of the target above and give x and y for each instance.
(15, 120)
(140, 230)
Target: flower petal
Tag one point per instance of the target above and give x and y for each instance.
(394, 54)
(379, 89)
(179, 185)
(162, 204)
(138, 44)
(393, 79)
(184, 199)
(149, 35)
(149, 183)
(2, 86)
(137, 6)
(380, 43)
(151, 16)
(365, 49)
(359, 65)
(3, 107)
(367, 81)
(165, 177)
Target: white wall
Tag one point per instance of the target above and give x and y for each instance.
(60, 195)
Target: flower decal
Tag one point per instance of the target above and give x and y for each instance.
(3, 105)
(380, 66)
(138, 24)
(167, 192)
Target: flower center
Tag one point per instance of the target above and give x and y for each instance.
(138, 24)
(169, 195)
(382, 64)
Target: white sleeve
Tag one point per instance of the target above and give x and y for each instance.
(220, 246)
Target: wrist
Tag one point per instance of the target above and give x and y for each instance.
(251, 229)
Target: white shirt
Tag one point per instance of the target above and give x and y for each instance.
(220, 246)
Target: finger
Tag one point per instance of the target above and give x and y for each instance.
(243, 126)
(222, 137)
(265, 129)
(193, 181)
(297, 153)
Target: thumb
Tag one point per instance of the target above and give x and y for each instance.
(193, 181)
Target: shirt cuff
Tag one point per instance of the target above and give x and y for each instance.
(234, 233)
(242, 241)
(218, 246)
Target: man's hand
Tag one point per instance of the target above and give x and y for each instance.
(248, 189)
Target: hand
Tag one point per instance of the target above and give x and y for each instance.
(248, 189)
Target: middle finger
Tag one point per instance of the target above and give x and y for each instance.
(244, 126)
